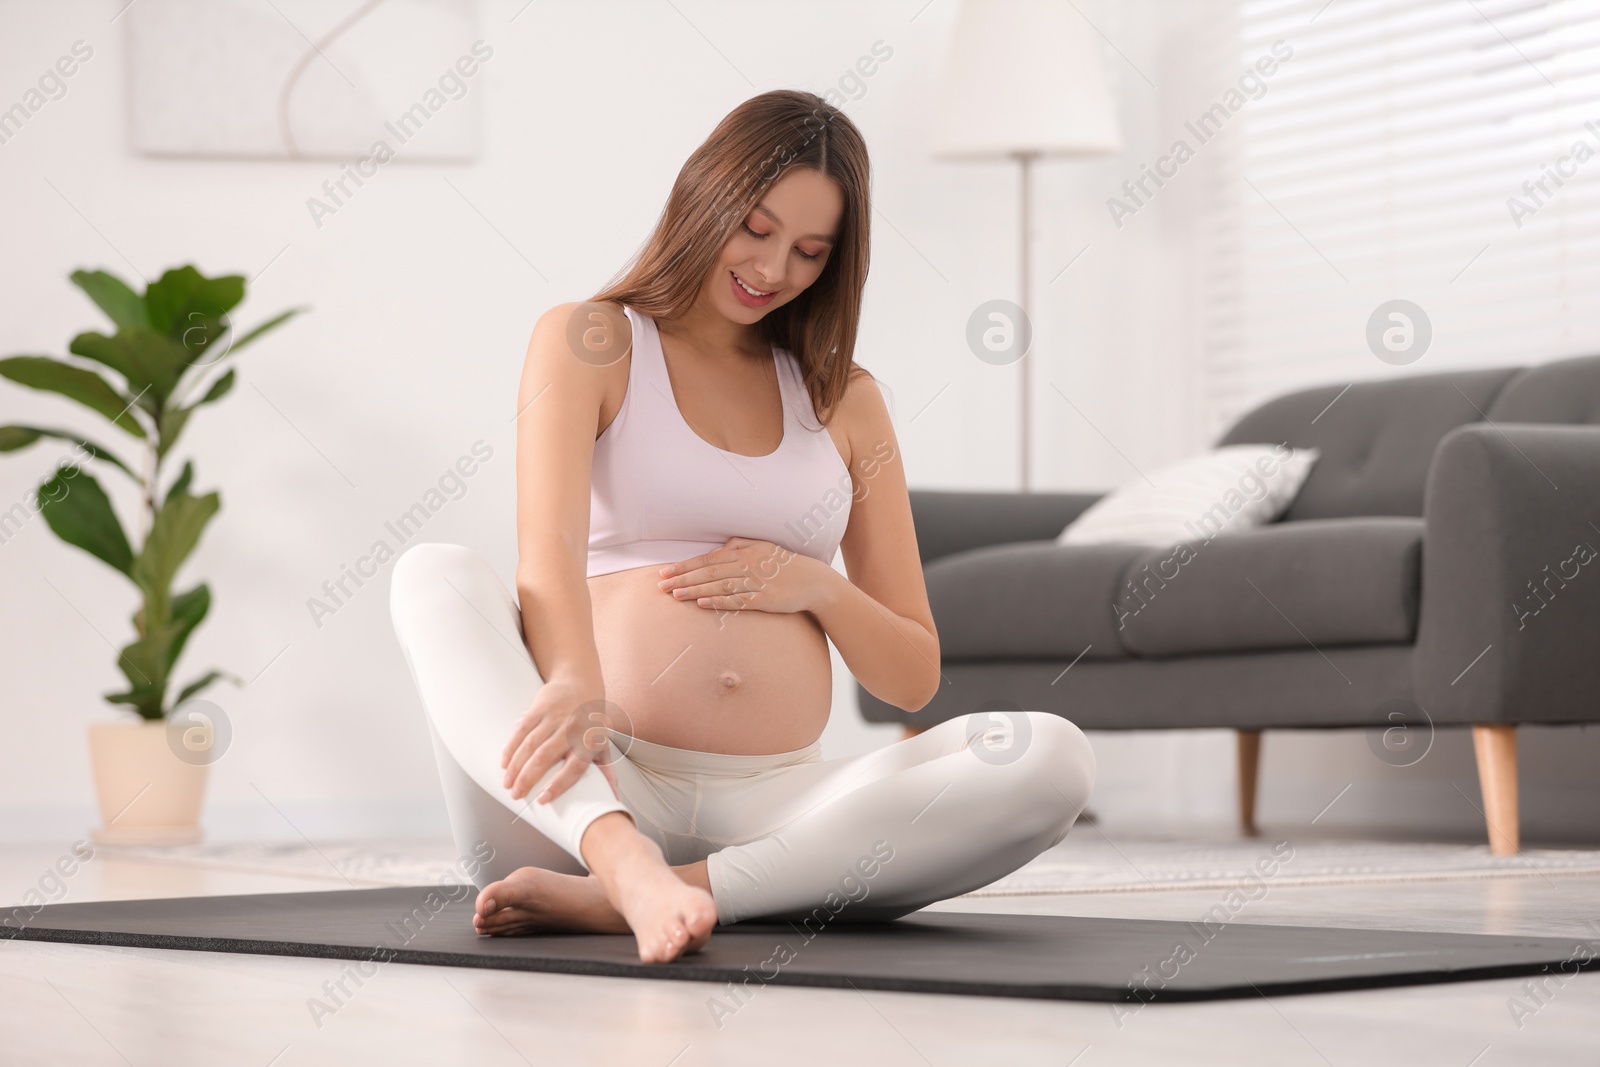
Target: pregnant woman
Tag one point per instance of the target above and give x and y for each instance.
(631, 744)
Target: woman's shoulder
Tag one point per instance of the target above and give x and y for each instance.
(860, 398)
(598, 333)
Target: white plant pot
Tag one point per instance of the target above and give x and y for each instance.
(147, 795)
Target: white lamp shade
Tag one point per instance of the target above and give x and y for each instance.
(1023, 76)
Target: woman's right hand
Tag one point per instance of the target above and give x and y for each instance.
(562, 723)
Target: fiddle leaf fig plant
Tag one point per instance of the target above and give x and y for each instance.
(169, 354)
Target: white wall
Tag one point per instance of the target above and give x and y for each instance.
(420, 315)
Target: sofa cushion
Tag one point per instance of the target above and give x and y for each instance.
(1567, 390)
(1220, 491)
(955, 520)
(1376, 438)
(1028, 600)
(1318, 582)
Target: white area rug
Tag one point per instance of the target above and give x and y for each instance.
(1091, 862)
(1088, 862)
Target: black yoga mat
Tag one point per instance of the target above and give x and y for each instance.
(1036, 956)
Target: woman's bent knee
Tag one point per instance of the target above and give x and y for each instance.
(1068, 760)
(424, 568)
(1046, 758)
(437, 576)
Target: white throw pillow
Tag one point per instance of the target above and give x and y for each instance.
(1226, 490)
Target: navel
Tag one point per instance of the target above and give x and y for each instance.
(727, 680)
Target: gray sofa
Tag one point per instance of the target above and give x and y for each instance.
(1436, 569)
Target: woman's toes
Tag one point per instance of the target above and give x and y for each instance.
(658, 949)
(698, 921)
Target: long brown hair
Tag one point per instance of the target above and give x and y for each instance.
(721, 182)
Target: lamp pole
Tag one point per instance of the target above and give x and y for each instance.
(1025, 158)
(1022, 81)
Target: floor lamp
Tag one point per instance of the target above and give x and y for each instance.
(1022, 81)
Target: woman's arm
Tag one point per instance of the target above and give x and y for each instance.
(558, 415)
(879, 618)
(558, 405)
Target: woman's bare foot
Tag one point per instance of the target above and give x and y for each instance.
(532, 900)
(668, 917)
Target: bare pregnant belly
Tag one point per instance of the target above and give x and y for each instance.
(744, 682)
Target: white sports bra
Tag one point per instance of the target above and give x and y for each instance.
(659, 492)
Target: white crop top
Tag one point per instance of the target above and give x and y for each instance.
(660, 493)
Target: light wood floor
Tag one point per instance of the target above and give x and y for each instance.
(90, 1006)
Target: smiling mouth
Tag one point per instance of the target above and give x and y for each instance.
(757, 293)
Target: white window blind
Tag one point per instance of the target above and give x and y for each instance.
(1445, 152)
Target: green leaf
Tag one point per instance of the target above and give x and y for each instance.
(270, 324)
(173, 421)
(146, 700)
(183, 290)
(181, 486)
(81, 515)
(198, 334)
(187, 611)
(75, 383)
(144, 664)
(224, 292)
(219, 389)
(176, 530)
(147, 662)
(110, 352)
(151, 362)
(14, 437)
(194, 687)
(165, 299)
(124, 306)
(191, 310)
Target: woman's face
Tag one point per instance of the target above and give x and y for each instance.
(779, 249)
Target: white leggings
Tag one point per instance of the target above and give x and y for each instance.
(869, 838)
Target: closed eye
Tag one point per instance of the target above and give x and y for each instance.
(753, 233)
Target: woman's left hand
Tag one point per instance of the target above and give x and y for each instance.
(749, 575)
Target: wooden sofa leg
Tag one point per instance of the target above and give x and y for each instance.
(1496, 748)
(1249, 764)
